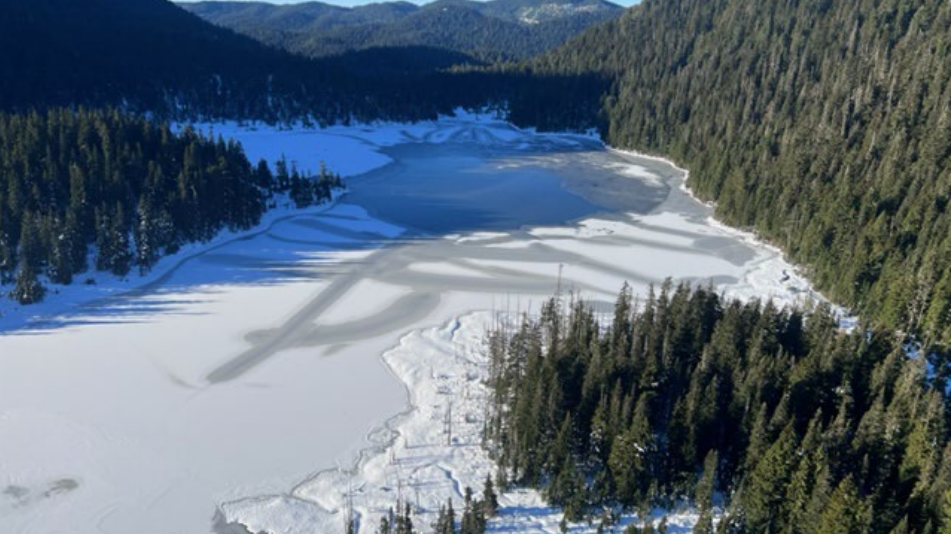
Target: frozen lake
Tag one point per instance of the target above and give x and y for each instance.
(244, 369)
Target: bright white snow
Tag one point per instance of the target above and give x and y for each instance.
(245, 373)
(444, 370)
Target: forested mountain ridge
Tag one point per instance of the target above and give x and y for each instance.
(152, 56)
(822, 124)
(246, 16)
(498, 29)
(89, 51)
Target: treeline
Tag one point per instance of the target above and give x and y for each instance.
(128, 54)
(799, 427)
(453, 28)
(125, 188)
(143, 56)
(474, 516)
(491, 31)
(824, 124)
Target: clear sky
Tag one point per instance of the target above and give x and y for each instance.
(350, 3)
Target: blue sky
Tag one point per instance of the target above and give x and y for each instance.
(350, 3)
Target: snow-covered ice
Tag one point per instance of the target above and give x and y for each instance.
(245, 373)
(415, 458)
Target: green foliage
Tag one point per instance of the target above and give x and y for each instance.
(846, 512)
(946, 513)
(703, 493)
(28, 289)
(822, 125)
(486, 31)
(474, 516)
(802, 429)
(134, 189)
(386, 523)
(764, 493)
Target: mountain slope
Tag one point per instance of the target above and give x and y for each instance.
(538, 11)
(150, 55)
(313, 16)
(822, 124)
(143, 52)
(488, 30)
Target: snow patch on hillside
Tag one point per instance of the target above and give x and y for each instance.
(553, 11)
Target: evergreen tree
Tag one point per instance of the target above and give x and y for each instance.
(120, 260)
(763, 495)
(707, 483)
(704, 523)
(795, 426)
(146, 238)
(846, 512)
(446, 520)
(386, 523)
(404, 521)
(946, 513)
(60, 267)
(28, 289)
(489, 499)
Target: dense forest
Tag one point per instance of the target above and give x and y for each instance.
(140, 56)
(822, 124)
(123, 187)
(798, 427)
(481, 31)
(825, 125)
(150, 56)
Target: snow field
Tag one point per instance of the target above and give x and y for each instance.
(109, 422)
(444, 370)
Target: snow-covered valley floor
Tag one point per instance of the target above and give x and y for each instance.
(245, 375)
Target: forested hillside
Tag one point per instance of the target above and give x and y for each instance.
(824, 124)
(152, 56)
(248, 16)
(800, 428)
(486, 31)
(124, 188)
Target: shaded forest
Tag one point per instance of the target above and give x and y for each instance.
(150, 56)
(489, 31)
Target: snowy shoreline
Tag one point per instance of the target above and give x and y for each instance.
(795, 274)
(315, 300)
(448, 352)
(67, 299)
(444, 371)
